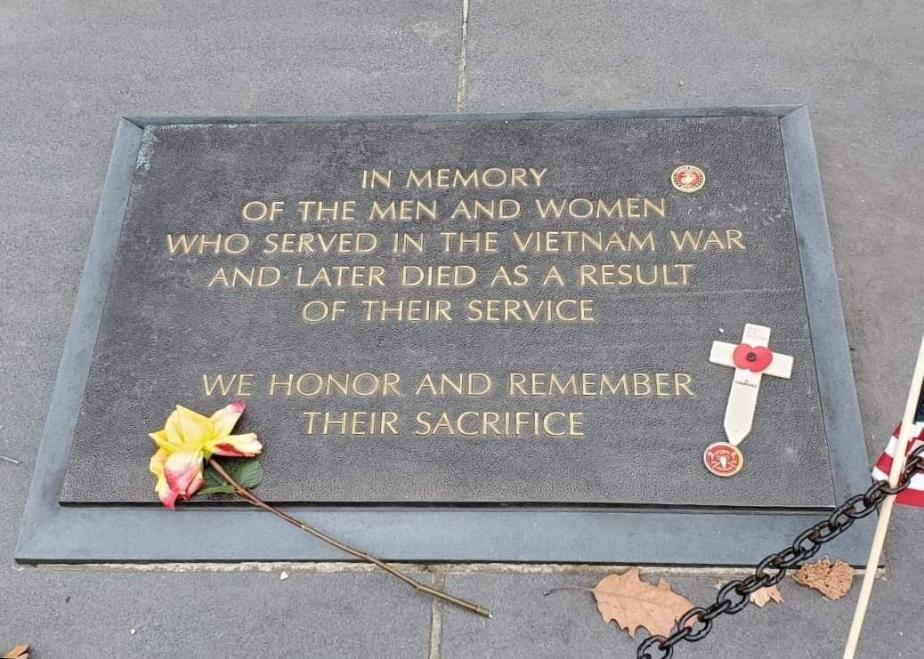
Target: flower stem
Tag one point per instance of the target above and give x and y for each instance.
(254, 500)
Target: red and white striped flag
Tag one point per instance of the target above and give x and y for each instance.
(914, 495)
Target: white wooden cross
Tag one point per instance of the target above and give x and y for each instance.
(752, 360)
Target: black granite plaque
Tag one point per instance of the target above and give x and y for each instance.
(467, 312)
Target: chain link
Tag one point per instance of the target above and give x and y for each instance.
(734, 596)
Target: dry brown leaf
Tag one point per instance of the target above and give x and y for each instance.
(832, 580)
(18, 652)
(632, 603)
(762, 596)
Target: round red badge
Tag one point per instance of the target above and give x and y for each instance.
(688, 178)
(723, 459)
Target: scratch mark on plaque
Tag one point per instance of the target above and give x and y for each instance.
(148, 140)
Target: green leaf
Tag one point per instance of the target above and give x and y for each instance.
(216, 489)
(248, 473)
(214, 484)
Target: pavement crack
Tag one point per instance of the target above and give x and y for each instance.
(462, 75)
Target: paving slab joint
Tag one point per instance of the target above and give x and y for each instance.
(439, 570)
(462, 75)
(436, 618)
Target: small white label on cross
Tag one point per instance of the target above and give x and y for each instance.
(752, 359)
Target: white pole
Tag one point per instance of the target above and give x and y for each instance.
(898, 463)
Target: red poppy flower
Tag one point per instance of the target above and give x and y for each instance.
(753, 359)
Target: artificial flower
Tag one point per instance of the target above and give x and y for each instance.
(755, 359)
(187, 440)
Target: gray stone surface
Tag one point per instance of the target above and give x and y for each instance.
(177, 615)
(164, 321)
(68, 70)
(565, 623)
(865, 99)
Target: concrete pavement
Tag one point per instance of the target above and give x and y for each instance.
(69, 70)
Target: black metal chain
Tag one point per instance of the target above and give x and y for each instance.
(734, 596)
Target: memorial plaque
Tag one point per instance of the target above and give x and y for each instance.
(502, 337)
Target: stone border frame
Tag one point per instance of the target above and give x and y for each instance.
(52, 533)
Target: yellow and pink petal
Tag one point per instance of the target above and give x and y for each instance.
(225, 419)
(172, 430)
(163, 441)
(236, 446)
(198, 482)
(164, 493)
(194, 428)
(183, 469)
